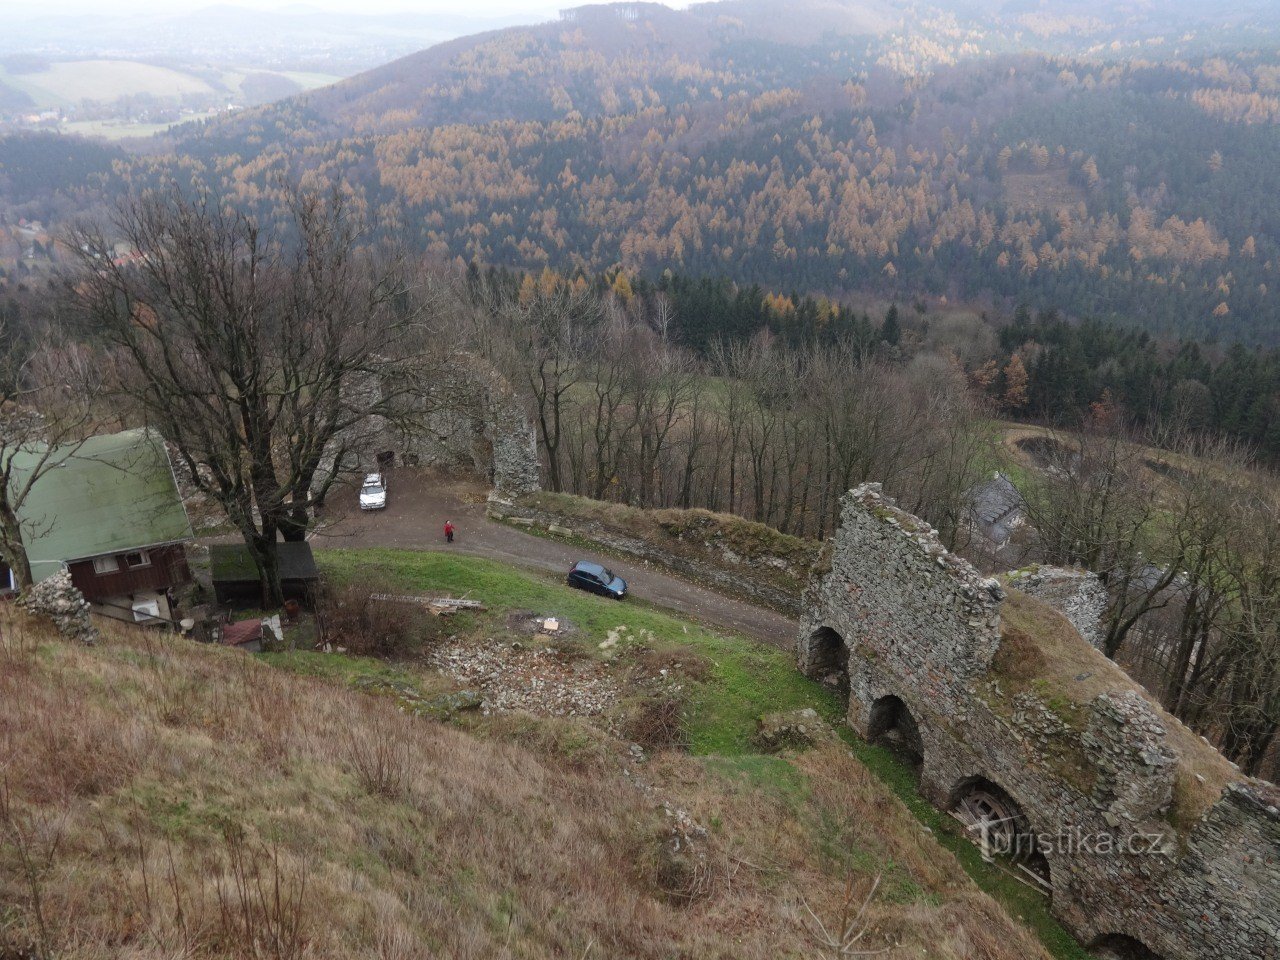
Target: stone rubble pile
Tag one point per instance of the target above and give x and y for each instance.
(791, 730)
(410, 699)
(541, 680)
(57, 599)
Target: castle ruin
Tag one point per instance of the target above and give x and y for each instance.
(1149, 843)
(464, 415)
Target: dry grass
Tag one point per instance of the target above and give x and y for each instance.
(168, 800)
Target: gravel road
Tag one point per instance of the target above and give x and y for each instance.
(419, 502)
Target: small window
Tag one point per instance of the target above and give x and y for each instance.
(139, 559)
(105, 564)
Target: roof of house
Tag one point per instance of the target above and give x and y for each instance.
(110, 494)
(232, 563)
(996, 506)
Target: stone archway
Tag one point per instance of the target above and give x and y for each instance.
(827, 660)
(1121, 946)
(996, 823)
(891, 724)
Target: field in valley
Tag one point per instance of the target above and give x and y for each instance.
(68, 83)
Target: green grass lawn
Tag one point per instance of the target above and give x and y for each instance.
(745, 680)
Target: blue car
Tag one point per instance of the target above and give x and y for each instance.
(596, 579)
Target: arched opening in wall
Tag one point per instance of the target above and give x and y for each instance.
(996, 823)
(1120, 946)
(891, 724)
(829, 660)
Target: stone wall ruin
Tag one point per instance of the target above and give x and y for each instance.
(1096, 795)
(460, 415)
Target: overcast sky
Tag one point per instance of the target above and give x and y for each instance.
(530, 9)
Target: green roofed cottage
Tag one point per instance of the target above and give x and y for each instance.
(110, 512)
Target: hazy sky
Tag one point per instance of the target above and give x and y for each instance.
(531, 9)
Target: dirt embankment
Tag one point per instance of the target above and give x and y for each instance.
(735, 556)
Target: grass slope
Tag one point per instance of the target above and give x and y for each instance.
(158, 798)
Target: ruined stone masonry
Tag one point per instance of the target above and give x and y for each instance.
(1078, 595)
(1097, 795)
(463, 415)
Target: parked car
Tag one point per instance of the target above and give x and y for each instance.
(596, 579)
(373, 492)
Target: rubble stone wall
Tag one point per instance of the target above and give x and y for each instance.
(57, 599)
(1079, 595)
(914, 623)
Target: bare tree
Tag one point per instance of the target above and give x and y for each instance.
(545, 343)
(45, 414)
(254, 352)
(842, 937)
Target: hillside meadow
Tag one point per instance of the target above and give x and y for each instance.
(160, 798)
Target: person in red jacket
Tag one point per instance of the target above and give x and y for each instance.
(448, 531)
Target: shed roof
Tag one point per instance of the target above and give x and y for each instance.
(110, 494)
(241, 632)
(232, 563)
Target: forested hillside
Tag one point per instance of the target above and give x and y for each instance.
(1111, 162)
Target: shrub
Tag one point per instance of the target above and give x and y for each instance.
(381, 757)
(658, 723)
(380, 628)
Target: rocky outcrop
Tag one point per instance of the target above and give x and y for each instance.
(57, 599)
(1090, 791)
(792, 730)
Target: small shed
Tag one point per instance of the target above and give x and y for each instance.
(243, 635)
(235, 576)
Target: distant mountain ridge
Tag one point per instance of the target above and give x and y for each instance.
(826, 145)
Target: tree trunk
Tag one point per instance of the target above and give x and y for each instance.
(13, 550)
(266, 556)
(294, 524)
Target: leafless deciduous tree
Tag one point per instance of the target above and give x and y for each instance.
(546, 334)
(45, 412)
(1184, 529)
(255, 351)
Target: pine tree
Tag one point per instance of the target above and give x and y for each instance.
(891, 331)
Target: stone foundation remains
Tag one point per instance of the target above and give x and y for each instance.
(1150, 844)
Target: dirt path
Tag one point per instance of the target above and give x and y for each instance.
(418, 503)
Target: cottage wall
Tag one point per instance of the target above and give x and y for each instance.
(168, 568)
(914, 625)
